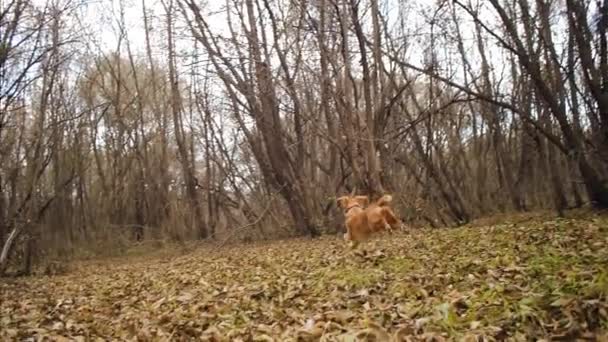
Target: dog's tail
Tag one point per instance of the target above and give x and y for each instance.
(384, 200)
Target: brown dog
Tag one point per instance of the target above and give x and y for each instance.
(362, 220)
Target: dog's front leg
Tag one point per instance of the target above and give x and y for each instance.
(347, 235)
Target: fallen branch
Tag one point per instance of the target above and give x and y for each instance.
(250, 224)
(7, 248)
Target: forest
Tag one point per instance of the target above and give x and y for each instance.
(177, 164)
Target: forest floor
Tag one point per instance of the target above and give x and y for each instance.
(513, 280)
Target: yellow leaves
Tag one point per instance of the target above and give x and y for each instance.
(213, 334)
(562, 302)
(474, 325)
(58, 326)
(11, 333)
(340, 316)
(373, 332)
(263, 338)
(158, 303)
(423, 293)
(458, 284)
(185, 297)
(311, 330)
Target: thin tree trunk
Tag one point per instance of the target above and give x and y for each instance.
(184, 155)
(373, 184)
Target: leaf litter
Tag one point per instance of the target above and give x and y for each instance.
(538, 280)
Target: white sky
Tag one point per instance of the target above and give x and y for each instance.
(101, 19)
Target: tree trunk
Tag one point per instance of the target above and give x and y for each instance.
(184, 157)
(597, 187)
(269, 123)
(373, 185)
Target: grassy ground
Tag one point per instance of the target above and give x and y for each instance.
(528, 280)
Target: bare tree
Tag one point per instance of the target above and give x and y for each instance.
(460, 110)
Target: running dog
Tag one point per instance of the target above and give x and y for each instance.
(364, 219)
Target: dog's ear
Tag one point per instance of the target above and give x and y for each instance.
(342, 201)
(362, 200)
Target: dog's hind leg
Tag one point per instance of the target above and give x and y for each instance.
(390, 219)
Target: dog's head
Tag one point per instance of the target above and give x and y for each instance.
(349, 201)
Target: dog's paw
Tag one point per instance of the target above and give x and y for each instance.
(388, 228)
(353, 244)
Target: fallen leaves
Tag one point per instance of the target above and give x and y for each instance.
(538, 280)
